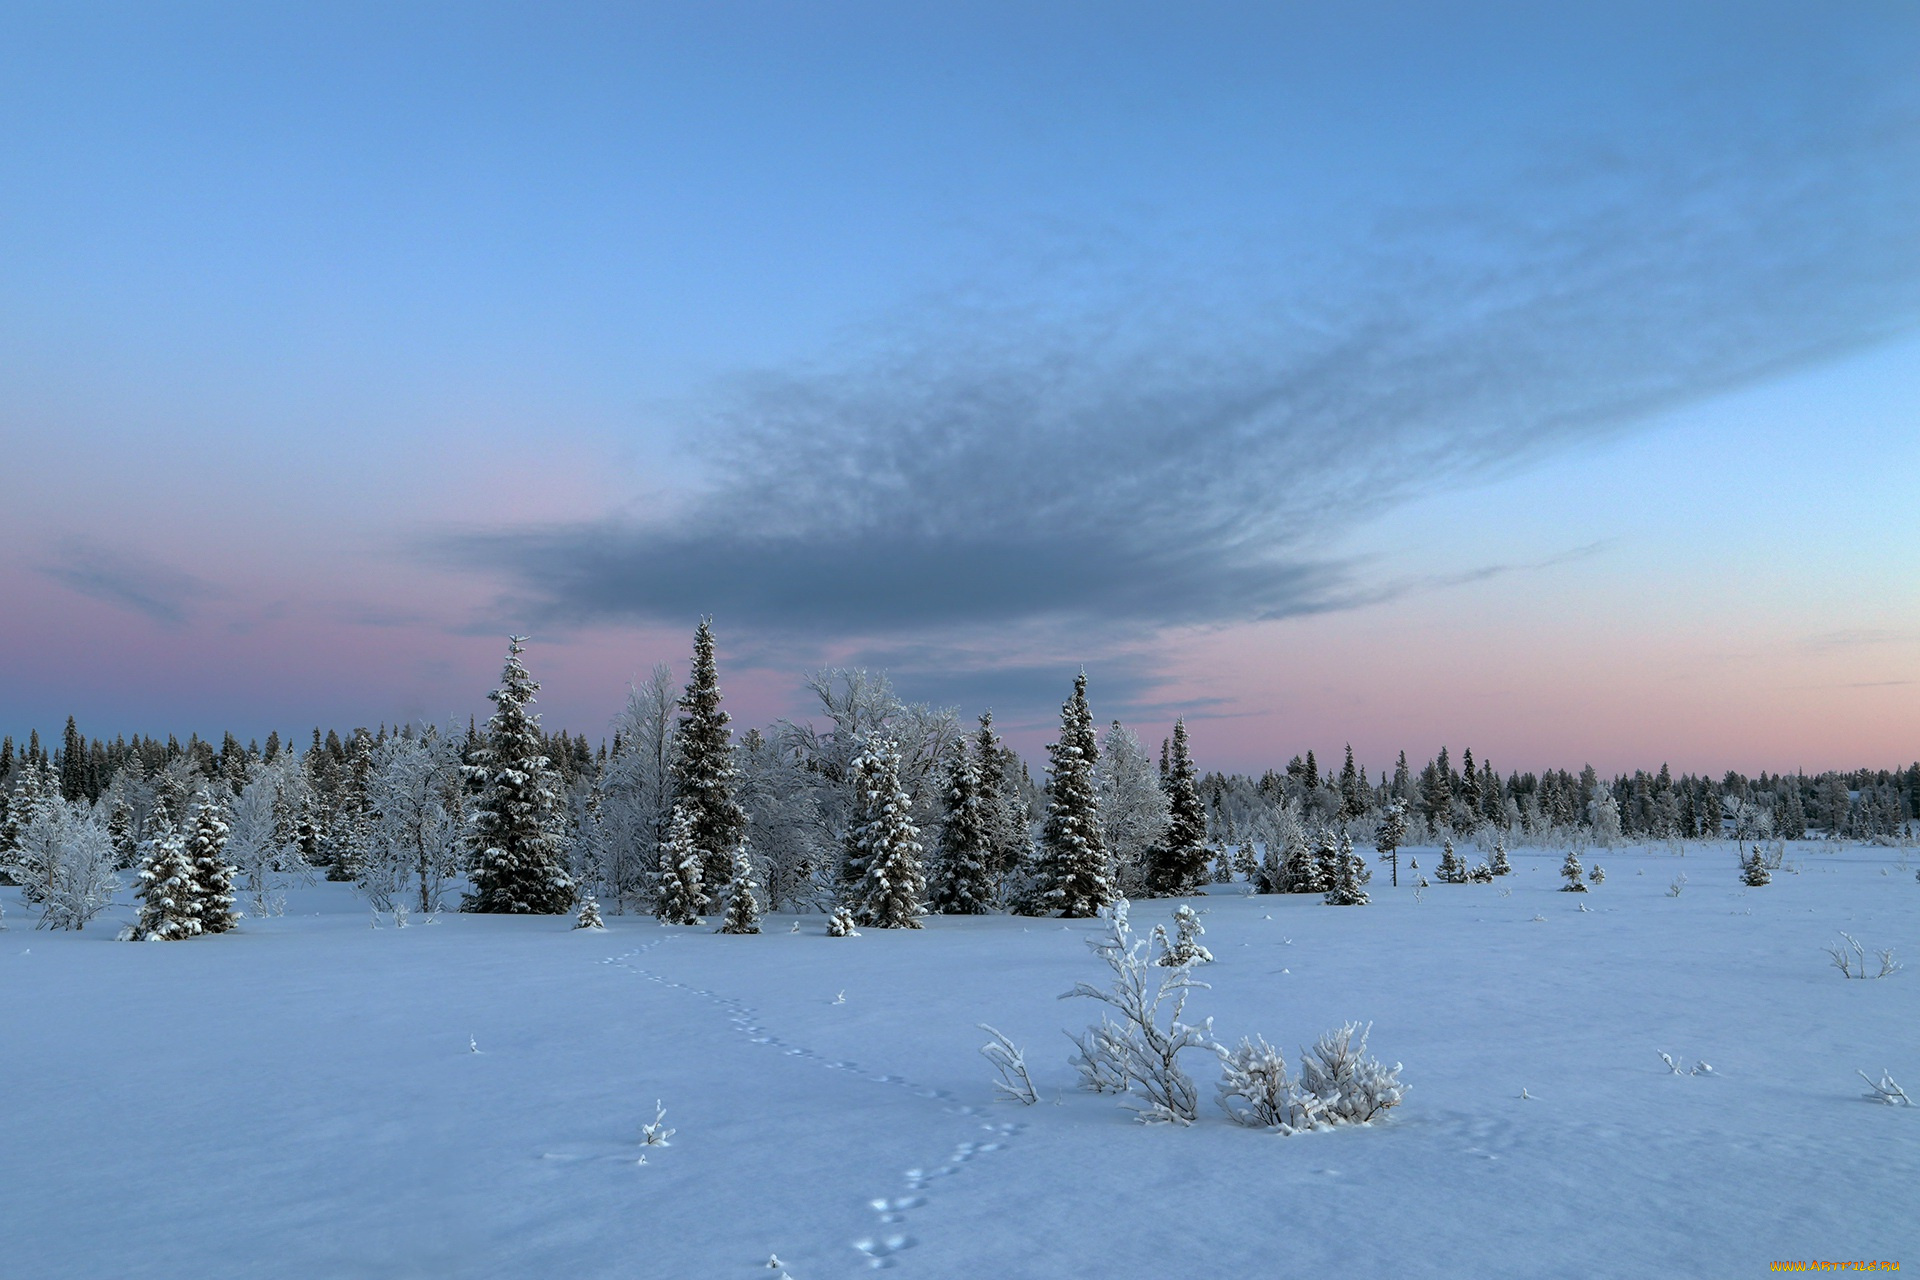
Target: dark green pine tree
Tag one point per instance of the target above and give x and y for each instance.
(519, 823)
(212, 873)
(1075, 879)
(73, 763)
(1351, 803)
(962, 880)
(1179, 865)
(1003, 808)
(704, 773)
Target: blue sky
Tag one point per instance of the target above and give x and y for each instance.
(1210, 346)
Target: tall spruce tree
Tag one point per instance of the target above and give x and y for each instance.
(962, 880)
(519, 819)
(888, 886)
(704, 774)
(1179, 865)
(1003, 805)
(1074, 872)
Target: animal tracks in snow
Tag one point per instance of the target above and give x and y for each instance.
(883, 1248)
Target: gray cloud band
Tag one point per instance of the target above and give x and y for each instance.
(1153, 461)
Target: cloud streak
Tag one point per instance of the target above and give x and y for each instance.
(1152, 456)
(128, 580)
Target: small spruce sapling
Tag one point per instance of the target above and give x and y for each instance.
(169, 891)
(1571, 870)
(1498, 863)
(1453, 868)
(1350, 872)
(840, 924)
(589, 917)
(1754, 871)
(743, 895)
(1185, 949)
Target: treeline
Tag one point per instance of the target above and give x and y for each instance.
(879, 809)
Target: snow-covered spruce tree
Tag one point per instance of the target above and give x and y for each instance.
(1350, 872)
(1498, 862)
(1753, 870)
(1572, 871)
(1005, 814)
(1387, 840)
(962, 880)
(840, 924)
(169, 890)
(518, 836)
(120, 830)
(1223, 865)
(1452, 868)
(677, 892)
(704, 775)
(1246, 862)
(589, 916)
(743, 895)
(637, 786)
(1074, 875)
(887, 887)
(213, 874)
(1179, 864)
(1185, 949)
(35, 793)
(1301, 869)
(1326, 860)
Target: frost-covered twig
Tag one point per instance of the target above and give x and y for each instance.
(1850, 959)
(1698, 1068)
(657, 1133)
(1014, 1082)
(1885, 1090)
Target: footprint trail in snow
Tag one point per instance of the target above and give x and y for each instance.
(883, 1247)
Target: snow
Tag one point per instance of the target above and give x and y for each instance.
(303, 1097)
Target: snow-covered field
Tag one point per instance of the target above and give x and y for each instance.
(304, 1098)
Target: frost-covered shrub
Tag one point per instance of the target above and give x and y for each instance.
(1356, 1087)
(1338, 1084)
(1255, 1090)
(1599, 875)
(840, 924)
(77, 860)
(1149, 1037)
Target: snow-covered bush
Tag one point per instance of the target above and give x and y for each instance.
(1356, 1087)
(1338, 1084)
(589, 917)
(1149, 1037)
(1452, 868)
(1754, 871)
(840, 924)
(1571, 871)
(1255, 1090)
